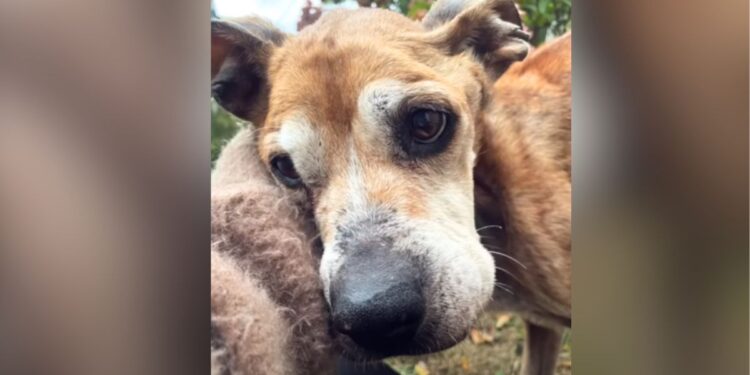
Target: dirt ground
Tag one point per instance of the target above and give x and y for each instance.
(494, 347)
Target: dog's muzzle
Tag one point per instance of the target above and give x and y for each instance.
(377, 300)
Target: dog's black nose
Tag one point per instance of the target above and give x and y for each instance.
(379, 306)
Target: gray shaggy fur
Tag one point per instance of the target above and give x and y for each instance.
(268, 314)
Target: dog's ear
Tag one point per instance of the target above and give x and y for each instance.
(240, 52)
(489, 29)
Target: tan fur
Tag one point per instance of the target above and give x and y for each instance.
(321, 91)
(523, 184)
(524, 170)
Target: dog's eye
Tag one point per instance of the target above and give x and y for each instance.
(427, 130)
(283, 168)
(427, 125)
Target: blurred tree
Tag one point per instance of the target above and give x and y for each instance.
(546, 19)
(310, 14)
(223, 127)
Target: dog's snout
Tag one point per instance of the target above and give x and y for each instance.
(378, 303)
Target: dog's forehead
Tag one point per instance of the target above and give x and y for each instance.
(326, 81)
(329, 62)
(324, 73)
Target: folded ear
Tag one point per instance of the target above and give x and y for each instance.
(490, 29)
(240, 52)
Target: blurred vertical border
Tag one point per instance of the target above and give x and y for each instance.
(104, 194)
(660, 187)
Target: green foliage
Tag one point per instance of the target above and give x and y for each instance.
(546, 18)
(413, 7)
(403, 6)
(223, 127)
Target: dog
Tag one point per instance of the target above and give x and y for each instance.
(523, 197)
(392, 134)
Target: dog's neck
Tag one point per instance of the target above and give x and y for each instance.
(518, 206)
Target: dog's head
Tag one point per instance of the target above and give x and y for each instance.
(371, 117)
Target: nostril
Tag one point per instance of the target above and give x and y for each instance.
(405, 326)
(378, 303)
(383, 323)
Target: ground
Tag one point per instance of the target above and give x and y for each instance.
(494, 347)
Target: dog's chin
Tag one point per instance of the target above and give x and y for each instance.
(423, 344)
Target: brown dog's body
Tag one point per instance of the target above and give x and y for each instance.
(523, 185)
(383, 127)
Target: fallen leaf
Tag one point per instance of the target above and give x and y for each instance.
(502, 320)
(421, 368)
(476, 336)
(465, 363)
(479, 337)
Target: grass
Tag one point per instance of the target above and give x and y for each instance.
(495, 347)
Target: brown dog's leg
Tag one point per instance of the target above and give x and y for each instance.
(540, 350)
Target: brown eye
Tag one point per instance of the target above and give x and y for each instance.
(427, 125)
(283, 167)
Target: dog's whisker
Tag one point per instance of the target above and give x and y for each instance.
(502, 284)
(501, 269)
(504, 287)
(509, 257)
(452, 337)
(490, 227)
(315, 237)
(492, 246)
